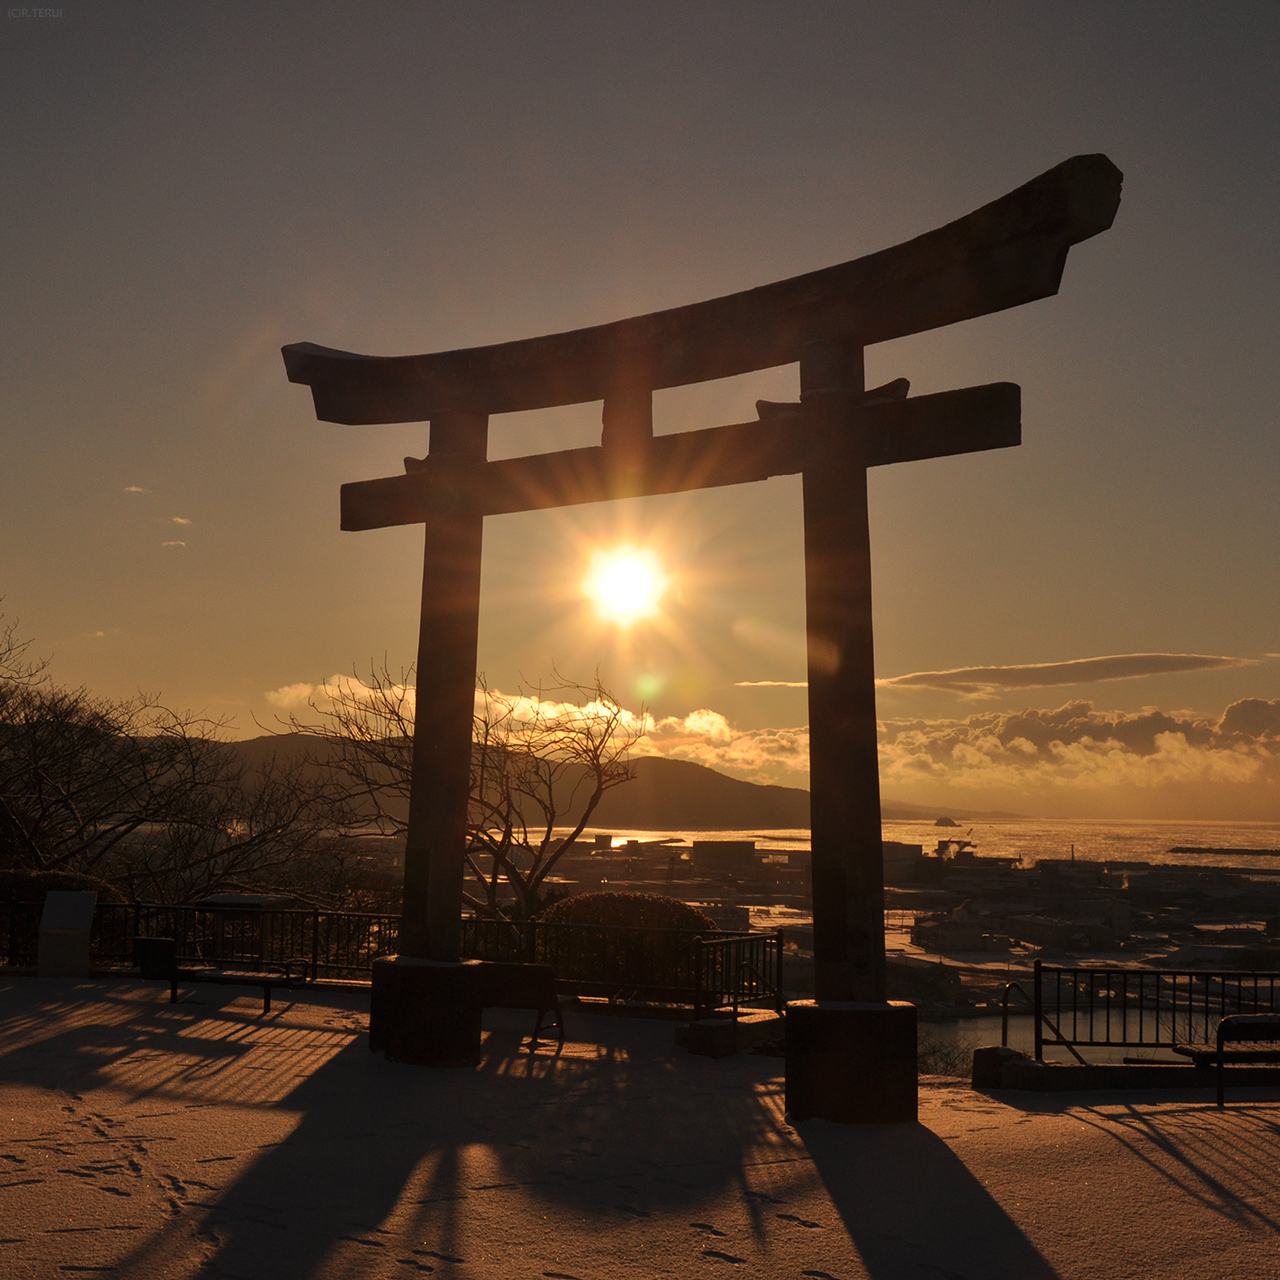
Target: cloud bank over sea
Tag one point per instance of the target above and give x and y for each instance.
(1074, 760)
(1078, 761)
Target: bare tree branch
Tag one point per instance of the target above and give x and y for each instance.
(145, 796)
(541, 761)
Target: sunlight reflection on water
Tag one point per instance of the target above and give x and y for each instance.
(1095, 840)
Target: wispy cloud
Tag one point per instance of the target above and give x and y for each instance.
(179, 520)
(135, 488)
(771, 684)
(986, 681)
(174, 543)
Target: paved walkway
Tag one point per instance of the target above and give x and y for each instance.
(145, 1139)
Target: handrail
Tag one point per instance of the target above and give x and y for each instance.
(732, 970)
(748, 967)
(1040, 1015)
(1004, 1009)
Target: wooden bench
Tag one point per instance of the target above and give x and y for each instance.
(1256, 1037)
(158, 958)
(521, 986)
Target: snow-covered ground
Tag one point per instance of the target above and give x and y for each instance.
(144, 1139)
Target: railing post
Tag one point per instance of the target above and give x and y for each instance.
(1039, 1003)
(780, 1000)
(697, 978)
(315, 943)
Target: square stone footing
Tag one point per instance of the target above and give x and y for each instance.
(852, 1063)
(723, 1037)
(426, 1012)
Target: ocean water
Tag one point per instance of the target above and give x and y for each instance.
(1105, 840)
(1030, 839)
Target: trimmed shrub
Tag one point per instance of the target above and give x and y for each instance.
(635, 910)
(623, 945)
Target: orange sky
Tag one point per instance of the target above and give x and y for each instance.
(187, 188)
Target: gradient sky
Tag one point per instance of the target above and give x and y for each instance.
(185, 188)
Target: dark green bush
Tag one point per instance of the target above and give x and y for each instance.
(624, 945)
(636, 910)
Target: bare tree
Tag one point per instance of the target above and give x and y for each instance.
(541, 761)
(17, 670)
(271, 827)
(146, 797)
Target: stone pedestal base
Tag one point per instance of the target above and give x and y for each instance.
(425, 1011)
(852, 1063)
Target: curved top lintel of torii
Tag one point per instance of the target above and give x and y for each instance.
(1007, 253)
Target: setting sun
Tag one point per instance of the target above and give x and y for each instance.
(625, 584)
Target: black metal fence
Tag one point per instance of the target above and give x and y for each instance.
(330, 944)
(1142, 1008)
(710, 969)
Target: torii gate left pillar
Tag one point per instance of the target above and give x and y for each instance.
(850, 1052)
(444, 707)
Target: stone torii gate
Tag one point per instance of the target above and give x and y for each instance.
(851, 1054)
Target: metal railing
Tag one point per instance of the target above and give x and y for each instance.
(1009, 989)
(1142, 1008)
(623, 962)
(329, 944)
(710, 969)
(739, 970)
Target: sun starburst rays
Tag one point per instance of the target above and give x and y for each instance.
(626, 584)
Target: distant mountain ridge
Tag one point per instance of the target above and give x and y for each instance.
(680, 795)
(671, 795)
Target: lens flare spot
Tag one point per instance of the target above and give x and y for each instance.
(647, 687)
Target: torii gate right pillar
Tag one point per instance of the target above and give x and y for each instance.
(851, 1054)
